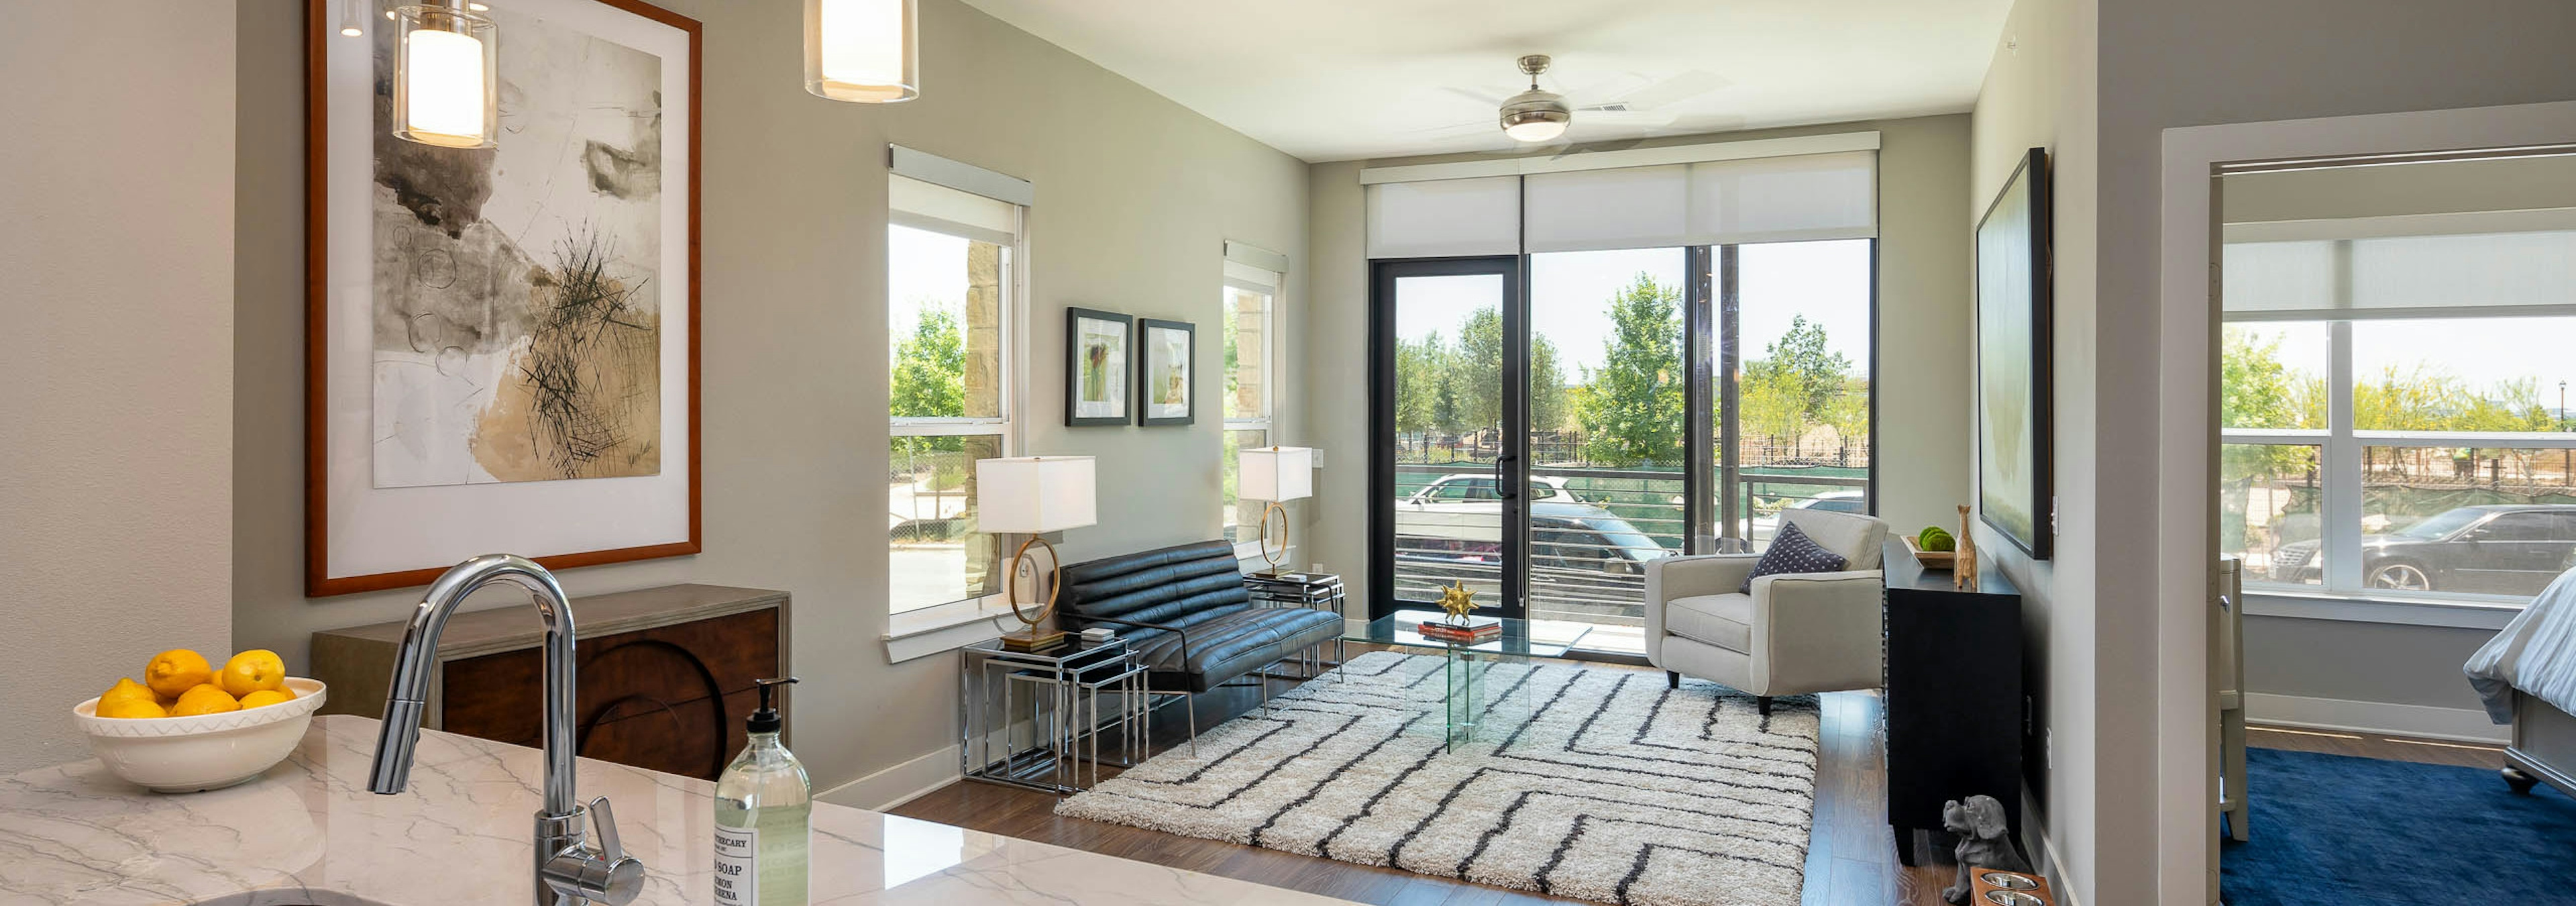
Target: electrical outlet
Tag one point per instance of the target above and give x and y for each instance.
(1316, 459)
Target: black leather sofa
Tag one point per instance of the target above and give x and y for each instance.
(1186, 613)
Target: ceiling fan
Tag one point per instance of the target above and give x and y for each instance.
(1538, 115)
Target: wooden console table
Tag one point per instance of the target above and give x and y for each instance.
(1954, 695)
(665, 673)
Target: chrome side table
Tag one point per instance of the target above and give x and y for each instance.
(1321, 591)
(1031, 718)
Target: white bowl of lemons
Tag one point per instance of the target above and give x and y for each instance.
(190, 725)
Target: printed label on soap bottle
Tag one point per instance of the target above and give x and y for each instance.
(737, 881)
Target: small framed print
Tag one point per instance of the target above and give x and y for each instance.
(1166, 386)
(1096, 362)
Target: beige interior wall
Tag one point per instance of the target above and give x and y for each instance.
(115, 505)
(2199, 62)
(2038, 93)
(1922, 327)
(1135, 198)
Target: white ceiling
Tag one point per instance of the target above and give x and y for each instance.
(1343, 79)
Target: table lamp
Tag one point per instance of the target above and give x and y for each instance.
(1031, 495)
(1274, 474)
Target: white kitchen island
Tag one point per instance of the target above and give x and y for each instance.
(308, 832)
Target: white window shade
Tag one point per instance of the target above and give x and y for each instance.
(1767, 199)
(1444, 218)
(2402, 276)
(939, 209)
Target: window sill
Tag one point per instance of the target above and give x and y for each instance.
(947, 627)
(2455, 614)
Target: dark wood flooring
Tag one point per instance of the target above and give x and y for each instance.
(1851, 856)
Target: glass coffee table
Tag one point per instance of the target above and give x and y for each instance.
(1466, 699)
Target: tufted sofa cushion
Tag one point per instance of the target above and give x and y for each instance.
(1198, 590)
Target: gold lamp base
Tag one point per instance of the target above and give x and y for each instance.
(1266, 556)
(1032, 638)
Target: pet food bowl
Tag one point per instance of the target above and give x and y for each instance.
(2009, 880)
(200, 751)
(2013, 898)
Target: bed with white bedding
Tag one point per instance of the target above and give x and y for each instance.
(2527, 676)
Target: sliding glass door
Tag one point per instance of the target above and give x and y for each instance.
(1547, 425)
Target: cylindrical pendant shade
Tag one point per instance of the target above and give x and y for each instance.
(446, 77)
(1034, 494)
(862, 50)
(1274, 473)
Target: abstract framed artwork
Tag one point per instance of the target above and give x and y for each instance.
(501, 349)
(1165, 384)
(2015, 415)
(1096, 362)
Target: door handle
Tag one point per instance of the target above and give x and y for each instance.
(1502, 486)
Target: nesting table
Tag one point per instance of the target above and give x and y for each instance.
(1031, 719)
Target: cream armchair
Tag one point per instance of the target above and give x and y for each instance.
(1795, 633)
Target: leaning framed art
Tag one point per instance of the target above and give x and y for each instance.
(502, 341)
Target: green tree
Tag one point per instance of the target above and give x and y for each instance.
(1475, 373)
(1848, 414)
(1808, 364)
(1547, 388)
(1635, 411)
(1769, 404)
(2256, 390)
(1417, 383)
(929, 377)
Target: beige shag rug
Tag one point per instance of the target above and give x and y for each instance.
(1592, 784)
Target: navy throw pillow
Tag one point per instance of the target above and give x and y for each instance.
(1792, 552)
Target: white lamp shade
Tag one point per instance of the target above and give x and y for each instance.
(1274, 473)
(1031, 495)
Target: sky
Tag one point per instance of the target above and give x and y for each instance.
(1828, 282)
(2482, 352)
(922, 268)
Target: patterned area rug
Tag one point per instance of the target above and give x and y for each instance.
(1603, 786)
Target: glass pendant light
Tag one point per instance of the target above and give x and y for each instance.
(352, 22)
(862, 50)
(446, 75)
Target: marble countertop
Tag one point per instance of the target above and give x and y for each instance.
(308, 832)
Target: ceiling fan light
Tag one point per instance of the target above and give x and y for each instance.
(1535, 116)
(1534, 127)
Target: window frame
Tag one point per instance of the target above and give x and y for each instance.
(929, 622)
(2342, 482)
(1251, 278)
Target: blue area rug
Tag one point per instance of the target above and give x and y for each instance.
(2332, 829)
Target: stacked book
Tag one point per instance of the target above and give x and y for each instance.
(1475, 630)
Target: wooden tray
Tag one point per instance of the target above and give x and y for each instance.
(1931, 559)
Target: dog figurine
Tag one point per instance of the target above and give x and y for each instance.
(1984, 842)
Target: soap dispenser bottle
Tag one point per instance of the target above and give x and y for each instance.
(763, 803)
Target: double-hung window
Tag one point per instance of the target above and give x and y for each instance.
(2393, 404)
(953, 313)
(1251, 317)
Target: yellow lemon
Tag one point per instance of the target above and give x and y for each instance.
(256, 670)
(127, 688)
(130, 708)
(176, 671)
(204, 700)
(265, 697)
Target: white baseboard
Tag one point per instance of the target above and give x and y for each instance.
(2424, 721)
(899, 784)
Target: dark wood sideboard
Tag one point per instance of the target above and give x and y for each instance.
(1954, 696)
(665, 673)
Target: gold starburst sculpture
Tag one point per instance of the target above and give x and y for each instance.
(1458, 601)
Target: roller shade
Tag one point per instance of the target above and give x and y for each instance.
(939, 209)
(2401, 276)
(1787, 198)
(1443, 218)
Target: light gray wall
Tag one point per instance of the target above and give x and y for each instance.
(1135, 196)
(116, 505)
(2198, 62)
(1922, 325)
(2039, 93)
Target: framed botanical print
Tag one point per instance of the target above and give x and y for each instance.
(502, 342)
(1096, 361)
(1166, 386)
(2015, 409)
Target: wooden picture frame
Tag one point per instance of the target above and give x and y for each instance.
(502, 474)
(1098, 369)
(1166, 372)
(2014, 395)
